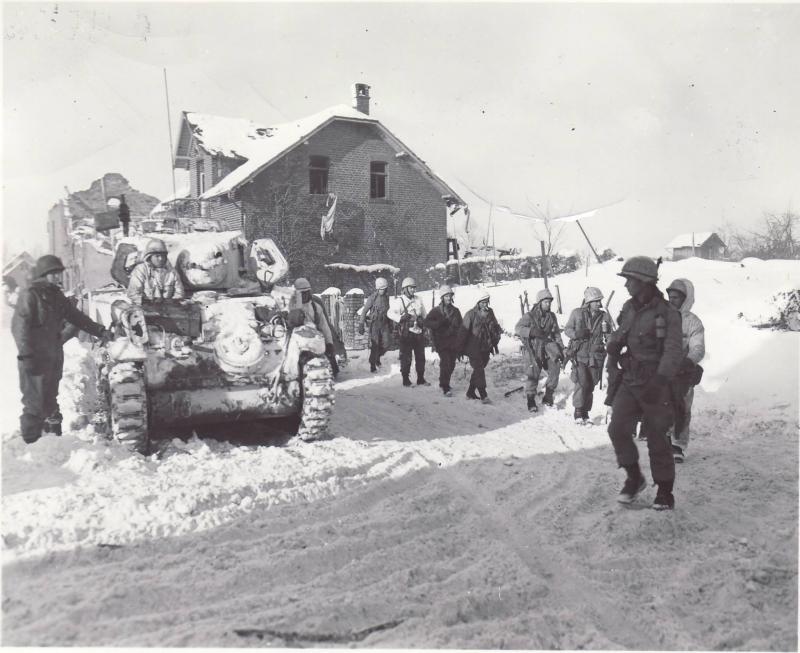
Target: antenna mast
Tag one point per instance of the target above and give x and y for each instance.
(171, 150)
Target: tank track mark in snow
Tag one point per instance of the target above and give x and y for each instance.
(318, 399)
(128, 406)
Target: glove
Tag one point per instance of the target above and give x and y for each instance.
(614, 348)
(582, 334)
(106, 336)
(654, 389)
(361, 329)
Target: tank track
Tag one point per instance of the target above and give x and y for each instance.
(127, 399)
(318, 400)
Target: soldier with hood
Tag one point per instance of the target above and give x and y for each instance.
(587, 328)
(543, 348)
(479, 335)
(444, 322)
(681, 296)
(310, 310)
(375, 309)
(154, 278)
(649, 332)
(37, 326)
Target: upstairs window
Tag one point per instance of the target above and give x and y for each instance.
(318, 175)
(377, 180)
(201, 177)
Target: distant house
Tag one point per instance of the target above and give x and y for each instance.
(336, 187)
(19, 268)
(705, 244)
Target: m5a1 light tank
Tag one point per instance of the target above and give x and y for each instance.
(225, 354)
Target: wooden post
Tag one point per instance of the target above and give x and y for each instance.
(544, 264)
(578, 222)
(558, 298)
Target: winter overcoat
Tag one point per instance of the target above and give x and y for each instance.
(647, 354)
(148, 282)
(591, 348)
(694, 338)
(540, 336)
(445, 324)
(38, 321)
(374, 312)
(479, 333)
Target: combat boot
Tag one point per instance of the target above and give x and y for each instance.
(547, 400)
(664, 499)
(406, 381)
(471, 392)
(634, 484)
(532, 407)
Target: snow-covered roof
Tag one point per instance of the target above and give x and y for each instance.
(231, 137)
(180, 194)
(262, 150)
(685, 240)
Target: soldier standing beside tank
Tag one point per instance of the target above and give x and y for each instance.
(444, 322)
(409, 314)
(154, 278)
(543, 348)
(311, 312)
(479, 335)
(375, 309)
(587, 328)
(681, 296)
(649, 332)
(37, 326)
(124, 215)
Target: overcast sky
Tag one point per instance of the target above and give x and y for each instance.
(688, 114)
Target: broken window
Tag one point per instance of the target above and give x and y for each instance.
(377, 180)
(318, 175)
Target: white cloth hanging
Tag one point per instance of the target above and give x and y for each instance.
(329, 218)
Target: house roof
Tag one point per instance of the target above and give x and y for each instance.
(22, 257)
(219, 135)
(265, 145)
(685, 240)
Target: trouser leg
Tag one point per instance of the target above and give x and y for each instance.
(405, 357)
(624, 414)
(682, 439)
(478, 378)
(553, 370)
(419, 357)
(656, 420)
(32, 387)
(447, 363)
(582, 395)
(532, 378)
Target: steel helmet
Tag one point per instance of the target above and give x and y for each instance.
(678, 285)
(301, 283)
(484, 296)
(543, 294)
(592, 294)
(154, 246)
(640, 267)
(408, 281)
(444, 289)
(381, 283)
(46, 264)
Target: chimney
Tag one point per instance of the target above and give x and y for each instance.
(361, 98)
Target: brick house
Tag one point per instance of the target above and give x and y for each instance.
(336, 187)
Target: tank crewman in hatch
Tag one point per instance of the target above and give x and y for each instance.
(37, 327)
(309, 310)
(375, 309)
(154, 278)
(639, 380)
(587, 328)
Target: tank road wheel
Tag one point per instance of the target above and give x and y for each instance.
(127, 398)
(318, 399)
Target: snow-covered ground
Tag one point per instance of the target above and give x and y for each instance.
(426, 521)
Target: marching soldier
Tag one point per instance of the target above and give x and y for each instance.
(649, 332)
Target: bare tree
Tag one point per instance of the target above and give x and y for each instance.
(776, 239)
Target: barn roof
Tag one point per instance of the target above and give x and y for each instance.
(685, 240)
